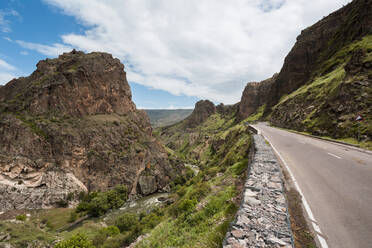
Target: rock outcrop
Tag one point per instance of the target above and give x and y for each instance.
(72, 126)
(318, 43)
(254, 95)
(203, 109)
(326, 78)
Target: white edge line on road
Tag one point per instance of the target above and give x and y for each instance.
(322, 241)
(334, 155)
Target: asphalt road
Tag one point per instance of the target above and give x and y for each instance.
(336, 182)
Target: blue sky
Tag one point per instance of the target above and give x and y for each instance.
(175, 52)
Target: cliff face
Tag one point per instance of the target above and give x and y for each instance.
(71, 126)
(254, 96)
(203, 109)
(325, 81)
(318, 43)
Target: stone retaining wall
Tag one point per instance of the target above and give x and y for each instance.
(262, 219)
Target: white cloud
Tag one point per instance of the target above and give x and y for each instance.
(203, 48)
(53, 50)
(8, 39)
(5, 77)
(6, 72)
(5, 66)
(4, 23)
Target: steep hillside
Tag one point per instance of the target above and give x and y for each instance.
(325, 82)
(166, 117)
(71, 126)
(197, 212)
(330, 102)
(318, 43)
(217, 151)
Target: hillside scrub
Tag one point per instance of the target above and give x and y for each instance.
(203, 202)
(329, 103)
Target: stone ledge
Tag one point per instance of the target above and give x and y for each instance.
(262, 219)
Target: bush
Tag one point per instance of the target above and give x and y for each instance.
(239, 167)
(77, 241)
(185, 206)
(127, 222)
(21, 217)
(62, 203)
(150, 221)
(73, 217)
(98, 203)
(199, 191)
(104, 233)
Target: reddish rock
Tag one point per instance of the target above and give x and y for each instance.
(203, 109)
(74, 117)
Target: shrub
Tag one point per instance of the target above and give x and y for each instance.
(200, 191)
(62, 203)
(104, 233)
(185, 206)
(126, 222)
(150, 221)
(213, 206)
(98, 203)
(73, 217)
(239, 167)
(77, 241)
(21, 217)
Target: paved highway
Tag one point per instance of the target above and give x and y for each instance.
(336, 182)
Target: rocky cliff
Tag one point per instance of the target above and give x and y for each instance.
(318, 43)
(203, 109)
(71, 126)
(254, 96)
(325, 81)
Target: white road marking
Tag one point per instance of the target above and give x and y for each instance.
(334, 155)
(319, 234)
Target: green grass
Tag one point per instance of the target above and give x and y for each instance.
(344, 54)
(257, 115)
(54, 218)
(318, 88)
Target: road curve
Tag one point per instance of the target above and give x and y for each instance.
(336, 182)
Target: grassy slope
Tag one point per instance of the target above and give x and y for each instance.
(310, 107)
(203, 204)
(207, 203)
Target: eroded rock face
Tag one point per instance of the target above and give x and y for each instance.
(254, 95)
(74, 84)
(203, 109)
(72, 126)
(319, 42)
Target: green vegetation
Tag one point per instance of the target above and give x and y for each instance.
(256, 116)
(203, 202)
(76, 241)
(98, 203)
(318, 88)
(32, 124)
(21, 217)
(328, 105)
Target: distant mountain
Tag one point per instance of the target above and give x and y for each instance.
(165, 117)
